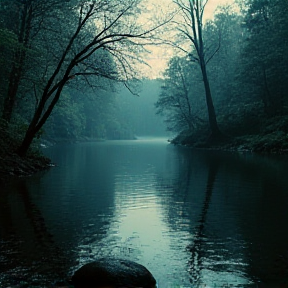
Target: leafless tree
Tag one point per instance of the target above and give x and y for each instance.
(191, 27)
(101, 25)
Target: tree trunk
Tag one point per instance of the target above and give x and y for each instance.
(19, 59)
(215, 131)
(199, 46)
(9, 102)
(39, 118)
(32, 130)
(29, 136)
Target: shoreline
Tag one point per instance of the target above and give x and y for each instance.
(12, 165)
(266, 144)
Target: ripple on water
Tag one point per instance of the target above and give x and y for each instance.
(193, 218)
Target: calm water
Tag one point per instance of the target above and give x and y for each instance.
(193, 218)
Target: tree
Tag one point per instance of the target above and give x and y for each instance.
(175, 98)
(264, 59)
(235, 109)
(192, 29)
(113, 27)
(8, 41)
(223, 65)
(26, 19)
(19, 58)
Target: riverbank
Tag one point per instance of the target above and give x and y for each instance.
(12, 165)
(271, 143)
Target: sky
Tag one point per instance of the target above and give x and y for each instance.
(159, 56)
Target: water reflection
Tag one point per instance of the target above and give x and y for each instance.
(25, 239)
(223, 217)
(192, 217)
(196, 248)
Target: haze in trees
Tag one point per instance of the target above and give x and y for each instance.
(93, 29)
(53, 49)
(246, 68)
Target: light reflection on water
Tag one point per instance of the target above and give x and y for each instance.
(192, 217)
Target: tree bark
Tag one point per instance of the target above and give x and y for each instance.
(39, 119)
(29, 136)
(215, 131)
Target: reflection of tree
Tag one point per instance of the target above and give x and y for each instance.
(190, 197)
(37, 222)
(180, 187)
(250, 242)
(28, 240)
(196, 248)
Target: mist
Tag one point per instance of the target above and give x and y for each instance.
(90, 92)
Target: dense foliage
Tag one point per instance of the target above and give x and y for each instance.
(248, 79)
(61, 65)
(53, 48)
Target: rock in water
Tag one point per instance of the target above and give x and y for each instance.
(113, 273)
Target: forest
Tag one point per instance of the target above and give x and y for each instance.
(246, 59)
(71, 71)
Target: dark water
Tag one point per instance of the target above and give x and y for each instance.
(193, 218)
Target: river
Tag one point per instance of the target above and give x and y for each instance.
(194, 218)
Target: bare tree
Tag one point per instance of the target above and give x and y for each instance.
(100, 25)
(192, 29)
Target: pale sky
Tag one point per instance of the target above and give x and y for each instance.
(160, 55)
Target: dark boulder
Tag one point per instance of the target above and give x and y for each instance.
(113, 273)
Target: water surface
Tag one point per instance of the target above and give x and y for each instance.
(192, 217)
